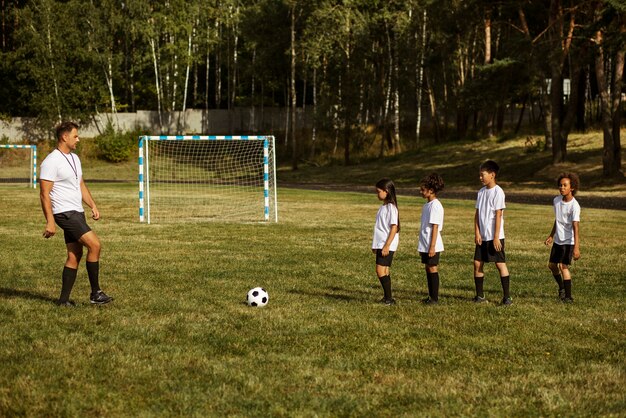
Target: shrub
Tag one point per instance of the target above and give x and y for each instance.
(116, 147)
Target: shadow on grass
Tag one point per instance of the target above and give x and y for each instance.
(24, 294)
(328, 293)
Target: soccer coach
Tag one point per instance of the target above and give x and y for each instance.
(62, 191)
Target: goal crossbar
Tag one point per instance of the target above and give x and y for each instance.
(32, 181)
(266, 158)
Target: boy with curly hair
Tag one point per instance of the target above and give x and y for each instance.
(564, 236)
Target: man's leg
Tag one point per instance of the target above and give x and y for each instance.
(91, 241)
(74, 254)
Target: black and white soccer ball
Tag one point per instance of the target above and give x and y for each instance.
(257, 297)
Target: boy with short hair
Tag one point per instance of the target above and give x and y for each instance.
(564, 236)
(489, 232)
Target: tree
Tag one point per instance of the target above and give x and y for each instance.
(609, 37)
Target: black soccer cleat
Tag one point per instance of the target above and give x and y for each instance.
(100, 298)
(567, 300)
(67, 303)
(561, 294)
(479, 299)
(429, 301)
(507, 301)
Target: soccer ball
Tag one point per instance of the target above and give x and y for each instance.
(257, 297)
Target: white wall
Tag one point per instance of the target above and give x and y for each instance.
(209, 122)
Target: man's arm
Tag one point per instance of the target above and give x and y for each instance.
(45, 186)
(88, 199)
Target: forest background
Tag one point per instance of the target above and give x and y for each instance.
(375, 75)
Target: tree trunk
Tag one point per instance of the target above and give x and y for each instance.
(420, 78)
(292, 93)
(610, 109)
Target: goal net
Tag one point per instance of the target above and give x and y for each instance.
(202, 178)
(18, 165)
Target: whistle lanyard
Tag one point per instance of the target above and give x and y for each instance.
(74, 169)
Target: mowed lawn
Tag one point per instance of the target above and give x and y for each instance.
(179, 340)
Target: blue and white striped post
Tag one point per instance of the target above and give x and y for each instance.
(144, 178)
(33, 159)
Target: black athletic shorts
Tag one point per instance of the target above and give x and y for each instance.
(562, 254)
(431, 261)
(384, 261)
(73, 224)
(487, 253)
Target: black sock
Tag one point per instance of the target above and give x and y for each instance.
(69, 277)
(93, 271)
(385, 281)
(435, 283)
(478, 281)
(567, 284)
(505, 286)
(429, 279)
(559, 280)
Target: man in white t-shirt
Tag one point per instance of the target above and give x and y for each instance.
(62, 191)
(489, 232)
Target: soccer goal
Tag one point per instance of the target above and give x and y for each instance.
(18, 164)
(203, 178)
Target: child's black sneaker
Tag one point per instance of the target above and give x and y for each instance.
(479, 299)
(567, 300)
(561, 294)
(67, 303)
(429, 301)
(100, 298)
(507, 301)
(388, 302)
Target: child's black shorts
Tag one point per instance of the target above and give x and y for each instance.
(431, 261)
(562, 254)
(384, 261)
(73, 224)
(487, 253)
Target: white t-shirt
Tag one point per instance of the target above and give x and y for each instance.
(432, 214)
(566, 213)
(66, 172)
(487, 203)
(387, 215)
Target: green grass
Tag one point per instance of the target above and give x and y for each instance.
(179, 341)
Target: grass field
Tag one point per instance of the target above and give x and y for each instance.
(179, 341)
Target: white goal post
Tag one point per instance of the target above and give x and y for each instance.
(15, 168)
(207, 177)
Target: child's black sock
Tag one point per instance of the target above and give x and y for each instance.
(69, 277)
(429, 279)
(505, 286)
(93, 271)
(478, 282)
(567, 284)
(435, 286)
(385, 281)
(559, 280)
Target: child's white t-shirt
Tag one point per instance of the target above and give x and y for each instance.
(432, 214)
(66, 172)
(387, 215)
(487, 203)
(566, 213)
